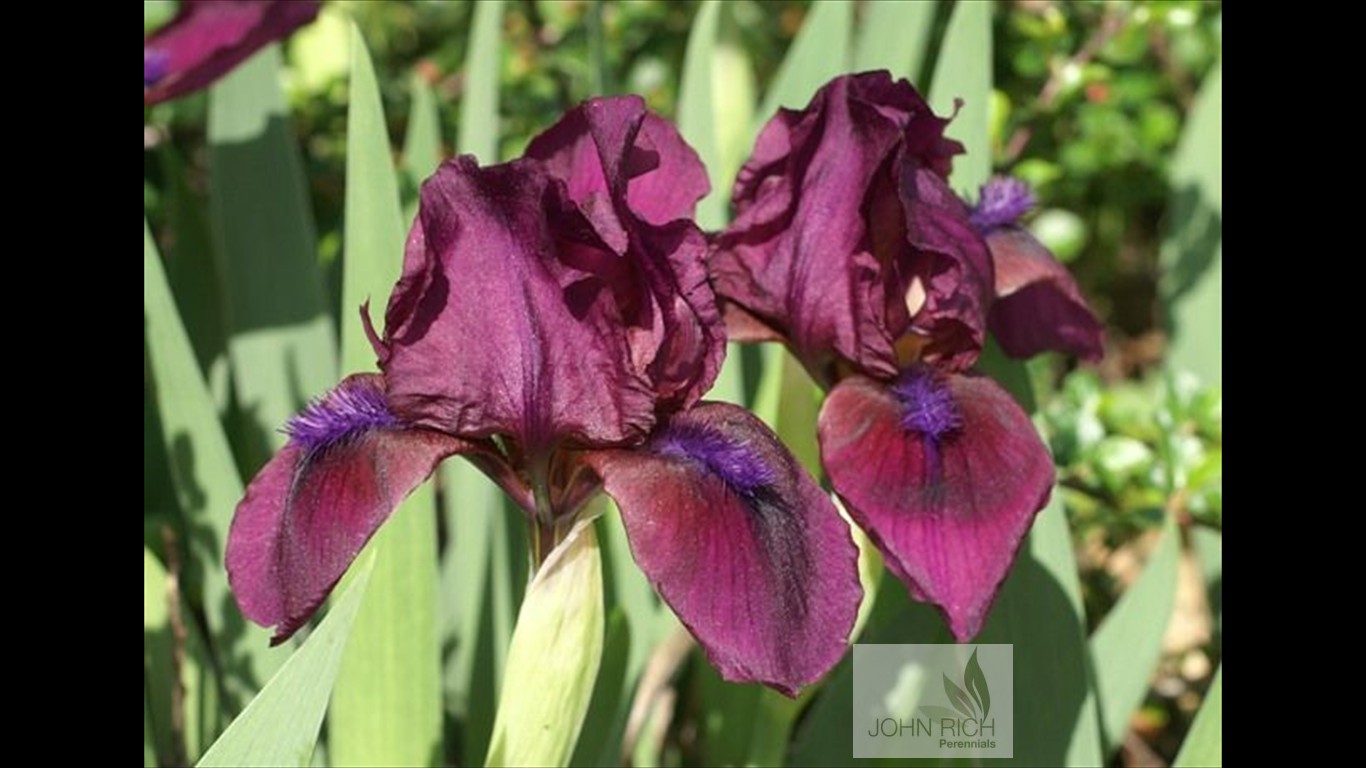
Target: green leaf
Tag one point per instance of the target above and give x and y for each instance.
(280, 726)
(964, 72)
(1209, 552)
(1204, 745)
(387, 705)
(205, 479)
(895, 37)
(696, 109)
(976, 682)
(281, 343)
(479, 109)
(818, 54)
(1127, 646)
(553, 662)
(790, 402)
(958, 698)
(1193, 285)
(421, 145)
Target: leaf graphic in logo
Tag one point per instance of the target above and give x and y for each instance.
(976, 683)
(958, 698)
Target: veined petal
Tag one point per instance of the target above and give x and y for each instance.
(945, 473)
(843, 221)
(209, 37)
(741, 543)
(500, 325)
(1038, 304)
(638, 182)
(616, 146)
(310, 510)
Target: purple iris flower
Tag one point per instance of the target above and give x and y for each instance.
(207, 38)
(849, 246)
(554, 325)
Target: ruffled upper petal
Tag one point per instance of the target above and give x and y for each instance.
(741, 543)
(946, 474)
(638, 183)
(841, 210)
(209, 37)
(311, 509)
(1038, 304)
(505, 320)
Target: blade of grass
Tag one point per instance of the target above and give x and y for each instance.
(206, 483)
(280, 726)
(386, 709)
(895, 37)
(1127, 645)
(281, 344)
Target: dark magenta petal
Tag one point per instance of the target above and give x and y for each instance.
(310, 510)
(503, 323)
(1038, 305)
(636, 180)
(207, 38)
(834, 223)
(945, 473)
(954, 271)
(741, 542)
(615, 145)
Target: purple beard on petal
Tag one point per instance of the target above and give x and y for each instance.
(1001, 203)
(734, 462)
(927, 404)
(155, 64)
(354, 407)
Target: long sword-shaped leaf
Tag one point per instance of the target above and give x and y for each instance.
(387, 705)
(479, 109)
(819, 53)
(1194, 252)
(1127, 645)
(895, 36)
(206, 482)
(280, 344)
(964, 72)
(280, 726)
(1204, 745)
(198, 721)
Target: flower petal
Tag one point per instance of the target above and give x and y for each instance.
(1038, 304)
(741, 543)
(638, 182)
(822, 249)
(948, 513)
(617, 144)
(500, 323)
(311, 509)
(209, 37)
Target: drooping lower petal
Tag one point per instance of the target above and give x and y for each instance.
(209, 37)
(1038, 305)
(741, 543)
(310, 510)
(945, 473)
